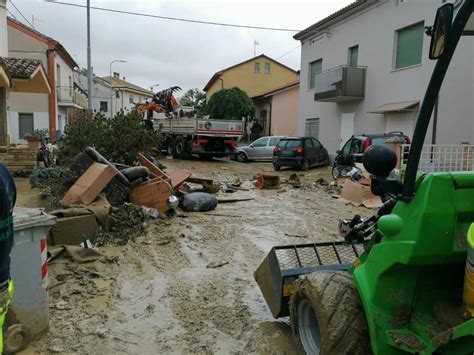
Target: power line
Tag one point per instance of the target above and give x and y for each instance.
(21, 14)
(11, 13)
(288, 52)
(174, 18)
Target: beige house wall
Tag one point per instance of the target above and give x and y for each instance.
(285, 113)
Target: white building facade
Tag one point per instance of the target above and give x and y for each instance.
(365, 70)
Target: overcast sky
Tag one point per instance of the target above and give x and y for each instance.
(176, 53)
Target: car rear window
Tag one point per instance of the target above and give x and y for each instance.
(289, 143)
(378, 140)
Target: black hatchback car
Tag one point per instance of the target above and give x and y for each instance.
(300, 152)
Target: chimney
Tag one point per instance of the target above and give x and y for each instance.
(3, 29)
(116, 75)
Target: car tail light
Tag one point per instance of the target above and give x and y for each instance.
(299, 150)
(408, 140)
(276, 149)
(367, 144)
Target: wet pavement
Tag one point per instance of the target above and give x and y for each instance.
(160, 296)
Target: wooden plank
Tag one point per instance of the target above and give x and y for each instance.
(153, 168)
(152, 194)
(89, 185)
(178, 177)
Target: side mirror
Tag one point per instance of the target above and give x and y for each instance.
(379, 160)
(338, 152)
(441, 30)
(251, 146)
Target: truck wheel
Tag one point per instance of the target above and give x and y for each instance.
(327, 316)
(179, 150)
(170, 147)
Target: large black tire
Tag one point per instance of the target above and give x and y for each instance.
(327, 316)
(180, 150)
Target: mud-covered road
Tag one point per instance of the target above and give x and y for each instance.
(156, 295)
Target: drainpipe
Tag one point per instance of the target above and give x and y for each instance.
(435, 122)
(270, 118)
(222, 82)
(52, 96)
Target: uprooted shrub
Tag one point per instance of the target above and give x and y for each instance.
(119, 139)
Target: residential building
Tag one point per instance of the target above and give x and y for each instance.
(365, 69)
(50, 109)
(277, 110)
(19, 78)
(101, 94)
(125, 95)
(253, 76)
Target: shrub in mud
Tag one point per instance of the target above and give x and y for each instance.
(119, 139)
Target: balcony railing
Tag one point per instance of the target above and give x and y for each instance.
(70, 96)
(342, 83)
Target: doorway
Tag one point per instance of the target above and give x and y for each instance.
(347, 127)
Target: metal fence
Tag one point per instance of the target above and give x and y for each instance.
(443, 158)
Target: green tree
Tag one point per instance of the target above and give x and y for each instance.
(118, 139)
(195, 98)
(230, 104)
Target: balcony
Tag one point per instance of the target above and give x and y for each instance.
(339, 84)
(71, 97)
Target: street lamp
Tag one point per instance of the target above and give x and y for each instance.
(151, 87)
(111, 88)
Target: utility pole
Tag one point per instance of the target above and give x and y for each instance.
(255, 44)
(89, 61)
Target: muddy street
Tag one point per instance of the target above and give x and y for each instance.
(185, 285)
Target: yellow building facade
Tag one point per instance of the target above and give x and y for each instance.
(253, 76)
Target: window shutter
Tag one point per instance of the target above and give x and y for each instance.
(409, 46)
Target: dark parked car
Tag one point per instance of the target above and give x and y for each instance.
(355, 147)
(300, 152)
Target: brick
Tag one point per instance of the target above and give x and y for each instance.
(73, 230)
(89, 185)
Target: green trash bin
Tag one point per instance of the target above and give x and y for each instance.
(28, 315)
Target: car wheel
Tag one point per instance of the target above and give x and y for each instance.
(305, 165)
(335, 171)
(241, 157)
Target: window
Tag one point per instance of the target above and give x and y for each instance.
(409, 46)
(274, 141)
(316, 143)
(314, 68)
(131, 99)
(104, 107)
(312, 127)
(262, 142)
(256, 69)
(267, 68)
(25, 121)
(353, 56)
(308, 143)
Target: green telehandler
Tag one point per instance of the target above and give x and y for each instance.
(403, 280)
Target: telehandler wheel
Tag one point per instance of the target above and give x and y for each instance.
(327, 316)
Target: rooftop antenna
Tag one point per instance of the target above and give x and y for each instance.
(255, 44)
(33, 19)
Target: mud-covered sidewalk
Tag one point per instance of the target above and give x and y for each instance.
(162, 293)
